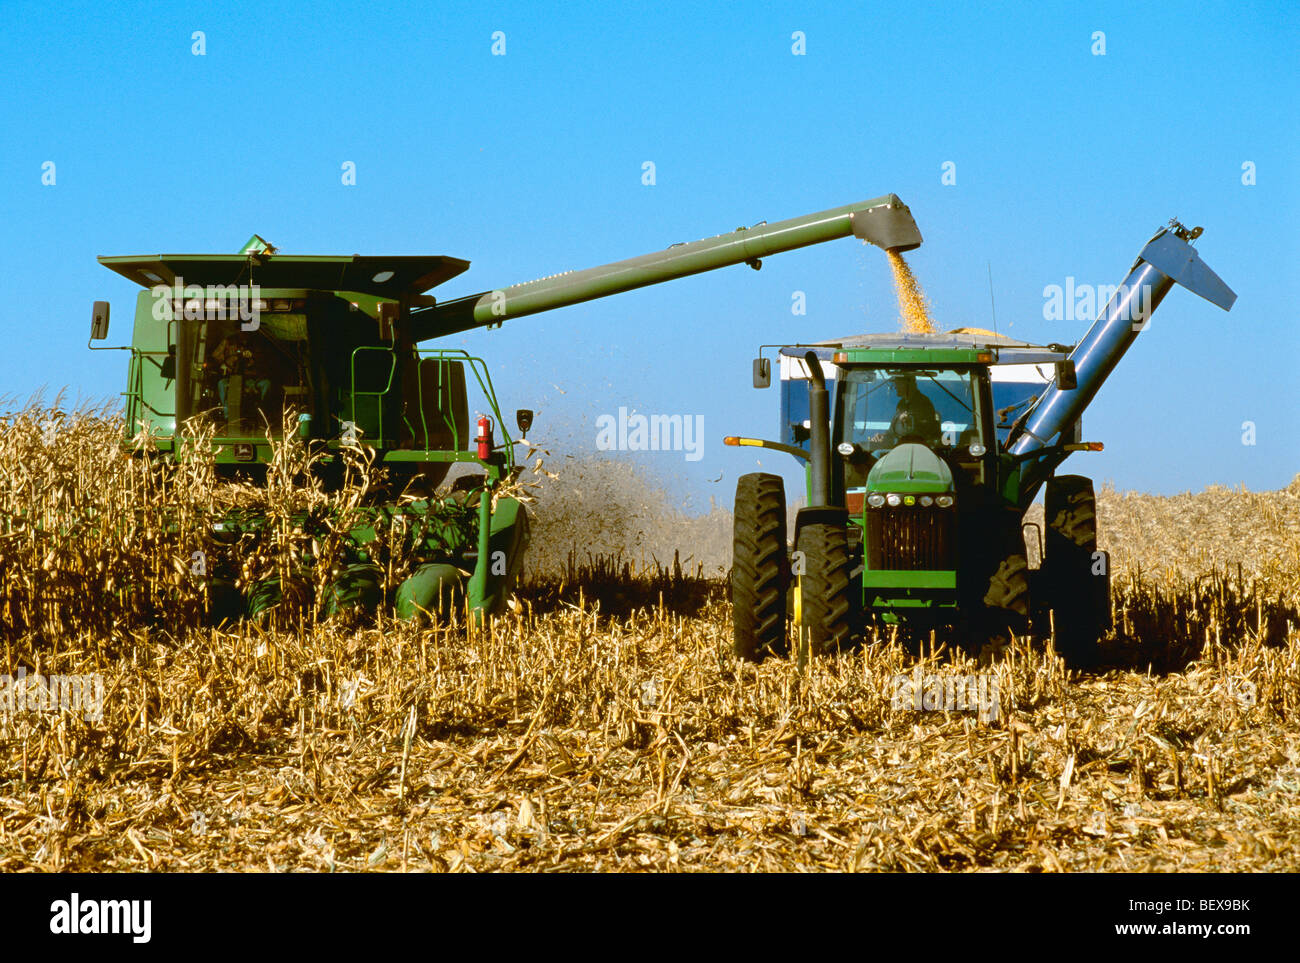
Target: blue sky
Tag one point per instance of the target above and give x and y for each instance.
(531, 163)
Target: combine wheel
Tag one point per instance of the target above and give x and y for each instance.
(759, 570)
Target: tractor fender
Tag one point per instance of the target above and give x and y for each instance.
(819, 515)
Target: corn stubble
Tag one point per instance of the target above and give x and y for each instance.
(602, 724)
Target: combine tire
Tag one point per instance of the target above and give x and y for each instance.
(1079, 597)
(759, 571)
(825, 609)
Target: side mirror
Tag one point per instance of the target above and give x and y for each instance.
(99, 321)
(524, 419)
(1065, 375)
(389, 312)
(762, 373)
(169, 365)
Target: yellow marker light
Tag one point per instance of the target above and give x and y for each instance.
(731, 440)
(839, 357)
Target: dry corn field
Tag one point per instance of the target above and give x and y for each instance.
(602, 724)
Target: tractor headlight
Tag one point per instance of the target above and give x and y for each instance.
(944, 501)
(876, 500)
(926, 501)
(893, 500)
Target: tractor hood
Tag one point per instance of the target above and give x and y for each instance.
(910, 468)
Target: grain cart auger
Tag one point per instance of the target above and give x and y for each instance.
(922, 455)
(334, 342)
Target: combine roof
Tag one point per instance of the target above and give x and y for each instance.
(392, 277)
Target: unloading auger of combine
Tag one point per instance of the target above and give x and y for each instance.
(241, 339)
(923, 454)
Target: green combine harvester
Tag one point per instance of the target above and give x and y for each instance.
(923, 452)
(334, 347)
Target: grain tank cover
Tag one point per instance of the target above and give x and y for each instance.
(393, 277)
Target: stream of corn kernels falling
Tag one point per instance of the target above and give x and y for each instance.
(912, 304)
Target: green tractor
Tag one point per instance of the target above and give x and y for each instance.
(332, 349)
(923, 453)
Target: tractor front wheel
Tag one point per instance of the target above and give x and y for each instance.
(825, 609)
(759, 571)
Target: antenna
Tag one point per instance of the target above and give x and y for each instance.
(992, 305)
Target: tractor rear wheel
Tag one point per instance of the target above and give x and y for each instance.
(759, 569)
(1078, 586)
(825, 610)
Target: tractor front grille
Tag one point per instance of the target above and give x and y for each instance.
(910, 539)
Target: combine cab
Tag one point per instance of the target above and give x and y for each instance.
(923, 454)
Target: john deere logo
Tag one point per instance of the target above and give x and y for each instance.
(243, 452)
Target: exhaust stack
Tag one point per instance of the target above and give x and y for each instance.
(1167, 259)
(819, 442)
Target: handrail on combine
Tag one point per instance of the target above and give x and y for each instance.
(353, 392)
(135, 390)
(484, 379)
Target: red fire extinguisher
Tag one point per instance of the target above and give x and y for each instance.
(484, 438)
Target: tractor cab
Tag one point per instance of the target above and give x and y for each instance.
(880, 407)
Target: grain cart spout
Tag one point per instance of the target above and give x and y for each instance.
(1167, 259)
